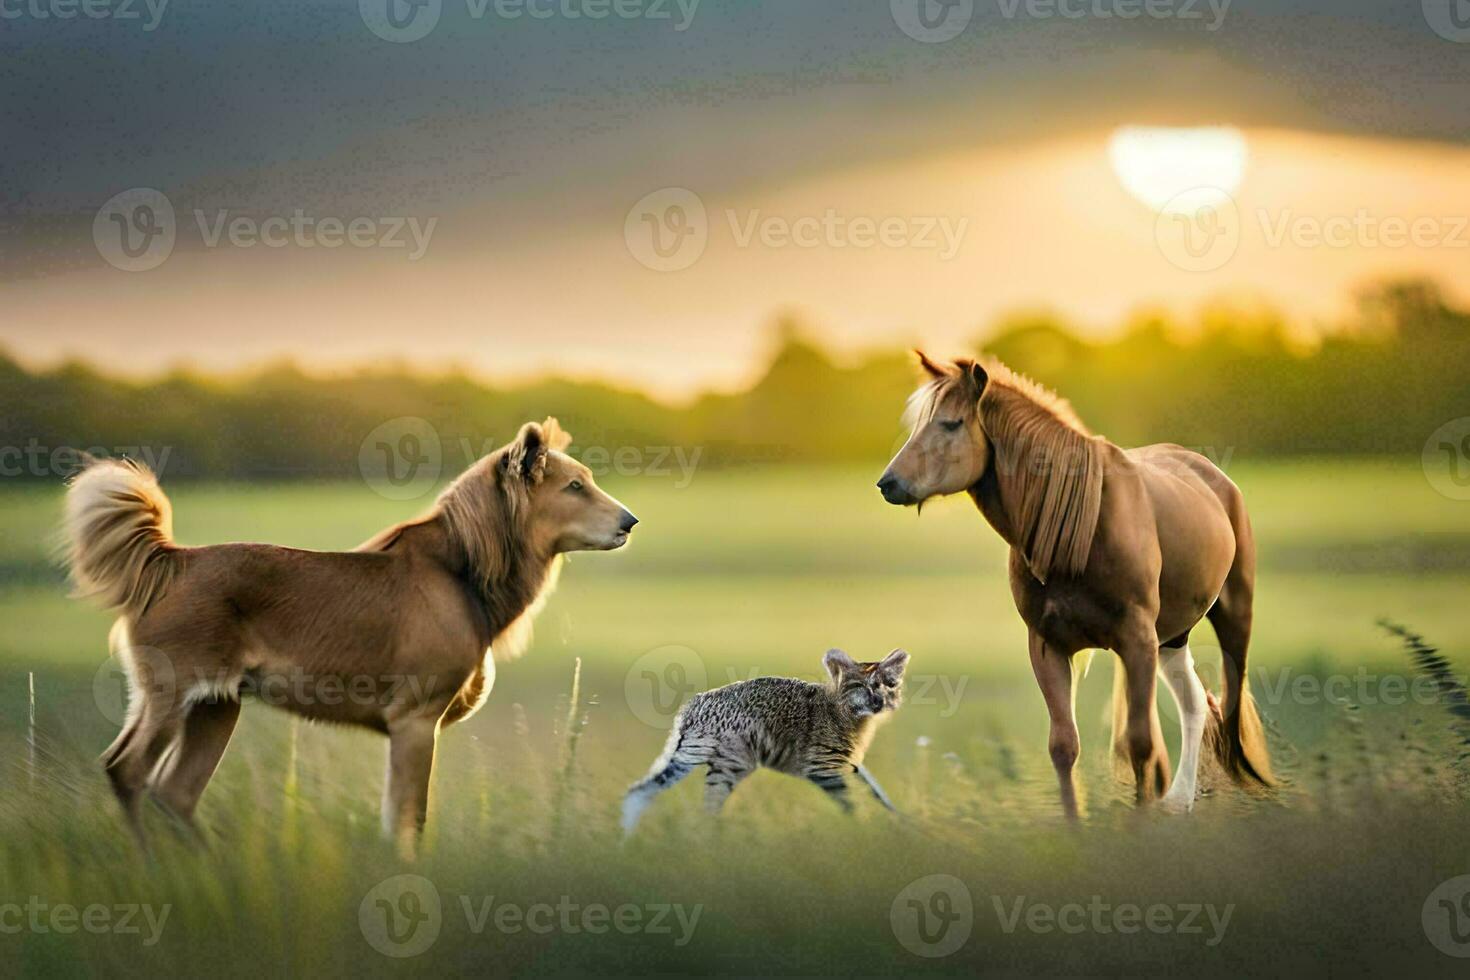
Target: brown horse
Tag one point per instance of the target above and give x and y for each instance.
(1117, 549)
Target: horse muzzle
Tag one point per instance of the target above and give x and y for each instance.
(896, 491)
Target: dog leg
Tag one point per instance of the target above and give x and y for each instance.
(207, 731)
(410, 765)
(135, 756)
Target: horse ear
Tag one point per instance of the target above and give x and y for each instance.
(979, 375)
(974, 373)
(556, 437)
(836, 662)
(527, 455)
(930, 368)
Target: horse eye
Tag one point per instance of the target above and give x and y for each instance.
(950, 425)
(575, 485)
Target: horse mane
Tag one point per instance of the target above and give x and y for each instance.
(484, 513)
(1048, 466)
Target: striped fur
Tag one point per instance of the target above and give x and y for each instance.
(819, 732)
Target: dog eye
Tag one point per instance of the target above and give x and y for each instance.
(575, 485)
(950, 425)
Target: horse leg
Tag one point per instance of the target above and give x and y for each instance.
(1144, 738)
(1176, 666)
(1053, 671)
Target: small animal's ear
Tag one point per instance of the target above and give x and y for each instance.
(837, 662)
(527, 455)
(556, 437)
(892, 666)
(930, 368)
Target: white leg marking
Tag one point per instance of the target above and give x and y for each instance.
(1177, 669)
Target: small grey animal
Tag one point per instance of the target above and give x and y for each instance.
(819, 732)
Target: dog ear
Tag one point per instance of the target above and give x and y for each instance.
(527, 455)
(837, 662)
(556, 437)
(892, 666)
(930, 368)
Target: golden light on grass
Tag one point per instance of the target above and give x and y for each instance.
(1176, 169)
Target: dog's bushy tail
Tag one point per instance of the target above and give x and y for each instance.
(118, 533)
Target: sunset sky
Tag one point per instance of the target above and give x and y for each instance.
(883, 188)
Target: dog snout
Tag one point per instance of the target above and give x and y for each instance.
(894, 490)
(627, 522)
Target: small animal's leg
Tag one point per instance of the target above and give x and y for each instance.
(1176, 666)
(872, 784)
(660, 778)
(833, 783)
(206, 734)
(411, 744)
(1053, 670)
(725, 773)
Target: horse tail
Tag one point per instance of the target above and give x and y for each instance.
(1239, 738)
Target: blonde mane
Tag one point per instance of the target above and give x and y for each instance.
(1048, 466)
(484, 515)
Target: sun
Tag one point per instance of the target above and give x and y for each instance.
(1179, 170)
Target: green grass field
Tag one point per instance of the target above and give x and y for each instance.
(759, 572)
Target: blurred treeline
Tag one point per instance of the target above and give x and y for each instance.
(1231, 382)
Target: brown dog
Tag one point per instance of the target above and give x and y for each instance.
(395, 636)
